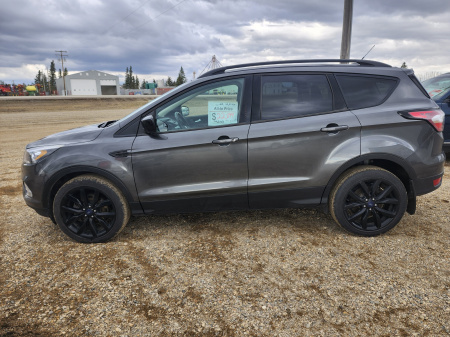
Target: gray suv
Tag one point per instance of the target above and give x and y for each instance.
(357, 138)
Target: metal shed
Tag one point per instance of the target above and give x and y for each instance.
(90, 83)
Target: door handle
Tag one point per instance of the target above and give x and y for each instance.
(336, 128)
(224, 141)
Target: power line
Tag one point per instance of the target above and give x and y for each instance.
(125, 17)
(179, 3)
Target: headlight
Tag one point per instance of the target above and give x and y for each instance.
(32, 156)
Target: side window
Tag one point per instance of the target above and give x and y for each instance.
(365, 91)
(295, 95)
(211, 105)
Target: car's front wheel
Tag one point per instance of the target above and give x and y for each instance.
(368, 200)
(90, 208)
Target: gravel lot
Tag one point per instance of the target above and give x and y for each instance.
(258, 273)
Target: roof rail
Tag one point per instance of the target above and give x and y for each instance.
(365, 63)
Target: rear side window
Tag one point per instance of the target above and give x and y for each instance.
(286, 96)
(365, 91)
(418, 85)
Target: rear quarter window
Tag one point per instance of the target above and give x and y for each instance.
(365, 91)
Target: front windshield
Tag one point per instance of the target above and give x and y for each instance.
(437, 85)
(157, 99)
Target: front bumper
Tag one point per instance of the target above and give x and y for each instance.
(32, 189)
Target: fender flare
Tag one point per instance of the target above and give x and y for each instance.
(365, 160)
(80, 170)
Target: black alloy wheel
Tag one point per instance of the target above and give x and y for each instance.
(371, 204)
(87, 212)
(90, 209)
(368, 200)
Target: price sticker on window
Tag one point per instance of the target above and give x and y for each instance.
(222, 113)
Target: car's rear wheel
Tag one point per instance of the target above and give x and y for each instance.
(368, 200)
(90, 208)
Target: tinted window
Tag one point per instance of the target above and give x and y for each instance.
(418, 85)
(295, 95)
(365, 91)
(216, 104)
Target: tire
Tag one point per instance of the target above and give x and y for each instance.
(368, 200)
(90, 209)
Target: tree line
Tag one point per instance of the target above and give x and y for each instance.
(132, 81)
(48, 81)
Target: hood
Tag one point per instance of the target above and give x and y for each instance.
(74, 136)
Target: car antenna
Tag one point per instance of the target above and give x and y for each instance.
(368, 52)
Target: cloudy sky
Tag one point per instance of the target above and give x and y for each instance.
(157, 37)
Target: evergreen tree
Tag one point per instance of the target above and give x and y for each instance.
(45, 82)
(59, 73)
(143, 85)
(131, 81)
(66, 72)
(169, 82)
(126, 84)
(131, 78)
(38, 78)
(181, 78)
(404, 65)
(52, 77)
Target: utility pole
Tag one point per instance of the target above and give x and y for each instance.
(62, 57)
(347, 29)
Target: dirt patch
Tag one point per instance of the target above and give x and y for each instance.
(49, 104)
(10, 190)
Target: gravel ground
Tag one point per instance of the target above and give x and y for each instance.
(258, 273)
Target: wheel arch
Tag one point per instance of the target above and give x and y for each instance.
(396, 165)
(61, 177)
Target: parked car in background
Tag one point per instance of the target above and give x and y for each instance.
(357, 138)
(439, 90)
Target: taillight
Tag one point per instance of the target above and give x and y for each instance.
(437, 182)
(434, 117)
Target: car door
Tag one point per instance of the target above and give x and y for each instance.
(301, 133)
(198, 159)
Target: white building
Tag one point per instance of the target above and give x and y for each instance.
(91, 82)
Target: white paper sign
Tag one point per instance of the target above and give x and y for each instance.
(222, 113)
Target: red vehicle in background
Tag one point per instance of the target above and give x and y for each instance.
(5, 90)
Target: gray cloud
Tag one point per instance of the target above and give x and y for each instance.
(157, 37)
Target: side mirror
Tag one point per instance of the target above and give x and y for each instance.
(149, 125)
(185, 111)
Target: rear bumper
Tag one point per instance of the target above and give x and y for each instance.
(429, 184)
(446, 147)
